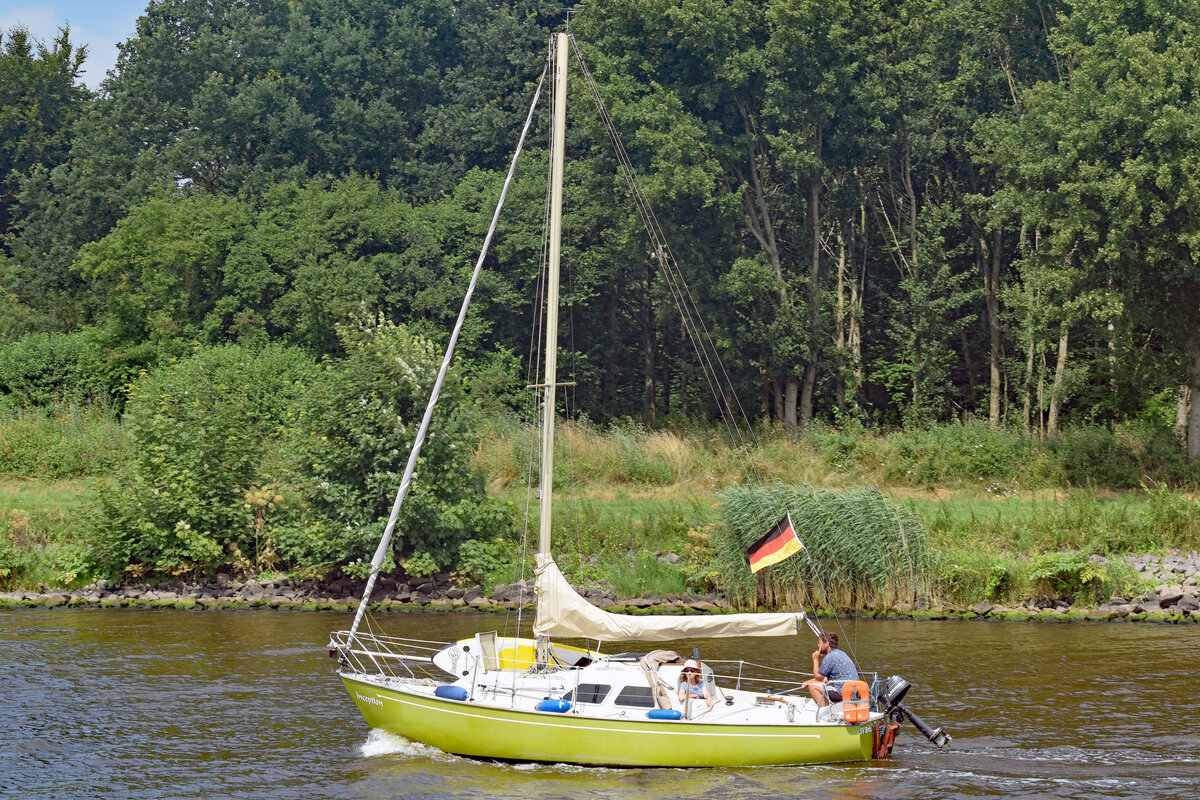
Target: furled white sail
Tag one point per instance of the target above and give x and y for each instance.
(562, 612)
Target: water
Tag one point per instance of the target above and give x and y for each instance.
(126, 703)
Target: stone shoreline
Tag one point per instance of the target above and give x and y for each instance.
(1175, 598)
(413, 594)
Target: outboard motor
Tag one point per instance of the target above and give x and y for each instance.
(889, 698)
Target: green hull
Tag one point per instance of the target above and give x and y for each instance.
(471, 730)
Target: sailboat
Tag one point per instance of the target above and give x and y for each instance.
(542, 699)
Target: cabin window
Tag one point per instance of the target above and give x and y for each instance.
(589, 693)
(635, 697)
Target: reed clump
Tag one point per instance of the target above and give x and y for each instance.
(860, 549)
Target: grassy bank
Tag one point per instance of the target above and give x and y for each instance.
(43, 531)
(50, 460)
(637, 509)
(1007, 517)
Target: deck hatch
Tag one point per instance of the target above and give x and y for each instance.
(589, 693)
(635, 697)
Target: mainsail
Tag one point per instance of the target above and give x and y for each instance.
(562, 612)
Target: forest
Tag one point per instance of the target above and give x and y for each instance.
(892, 215)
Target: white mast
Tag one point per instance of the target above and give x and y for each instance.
(558, 134)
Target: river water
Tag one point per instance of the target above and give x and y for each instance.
(129, 704)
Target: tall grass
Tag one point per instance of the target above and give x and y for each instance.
(616, 540)
(1081, 520)
(645, 573)
(623, 453)
(68, 440)
(955, 456)
(61, 441)
(859, 547)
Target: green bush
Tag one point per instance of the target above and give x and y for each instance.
(1123, 458)
(1127, 524)
(1160, 458)
(1094, 456)
(956, 453)
(487, 562)
(356, 428)
(495, 382)
(194, 495)
(272, 378)
(48, 368)
(970, 574)
(197, 449)
(1067, 575)
(490, 558)
(303, 541)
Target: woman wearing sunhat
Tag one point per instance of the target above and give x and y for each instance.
(692, 683)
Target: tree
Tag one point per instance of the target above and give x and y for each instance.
(40, 103)
(1104, 163)
(709, 61)
(185, 504)
(162, 271)
(234, 97)
(1010, 62)
(40, 99)
(317, 253)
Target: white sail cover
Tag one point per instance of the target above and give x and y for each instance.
(562, 612)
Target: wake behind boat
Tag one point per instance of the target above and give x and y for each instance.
(541, 699)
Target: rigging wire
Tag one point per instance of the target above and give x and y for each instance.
(712, 366)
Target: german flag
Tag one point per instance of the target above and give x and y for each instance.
(779, 543)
